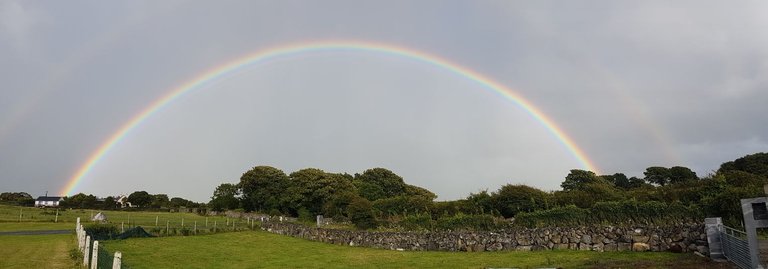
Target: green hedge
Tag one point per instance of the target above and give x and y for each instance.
(458, 222)
(623, 212)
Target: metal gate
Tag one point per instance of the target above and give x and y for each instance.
(735, 246)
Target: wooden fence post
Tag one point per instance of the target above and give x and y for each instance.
(117, 262)
(87, 251)
(95, 255)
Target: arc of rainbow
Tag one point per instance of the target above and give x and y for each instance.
(276, 52)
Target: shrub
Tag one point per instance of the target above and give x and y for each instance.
(416, 222)
(467, 223)
(101, 231)
(360, 213)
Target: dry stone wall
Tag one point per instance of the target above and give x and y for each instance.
(684, 237)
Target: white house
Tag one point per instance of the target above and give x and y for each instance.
(123, 201)
(48, 201)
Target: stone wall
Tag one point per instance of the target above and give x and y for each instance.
(683, 238)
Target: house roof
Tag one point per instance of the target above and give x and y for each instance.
(48, 198)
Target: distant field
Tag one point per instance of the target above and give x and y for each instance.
(145, 219)
(258, 249)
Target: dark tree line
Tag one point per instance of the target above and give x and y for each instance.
(140, 199)
(309, 192)
(17, 198)
(379, 196)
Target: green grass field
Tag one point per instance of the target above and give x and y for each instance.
(34, 226)
(129, 218)
(37, 251)
(258, 249)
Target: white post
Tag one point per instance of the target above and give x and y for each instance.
(156, 219)
(182, 222)
(80, 241)
(95, 255)
(206, 222)
(118, 260)
(87, 251)
(195, 227)
(167, 227)
(122, 227)
(21, 212)
(57, 216)
(214, 226)
(224, 225)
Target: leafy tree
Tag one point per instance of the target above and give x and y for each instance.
(312, 188)
(621, 181)
(482, 202)
(338, 206)
(18, 198)
(737, 178)
(225, 197)
(635, 182)
(262, 188)
(411, 190)
(14, 196)
(662, 176)
(360, 213)
(177, 202)
(512, 199)
(679, 174)
(377, 183)
(80, 200)
(159, 201)
(754, 164)
(109, 203)
(140, 198)
(577, 179)
(657, 175)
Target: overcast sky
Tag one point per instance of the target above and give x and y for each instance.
(633, 83)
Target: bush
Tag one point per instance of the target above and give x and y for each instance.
(623, 212)
(360, 213)
(416, 222)
(101, 231)
(559, 216)
(462, 222)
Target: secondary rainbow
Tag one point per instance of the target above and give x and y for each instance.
(263, 55)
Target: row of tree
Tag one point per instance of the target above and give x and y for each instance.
(309, 192)
(17, 198)
(140, 199)
(379, 196)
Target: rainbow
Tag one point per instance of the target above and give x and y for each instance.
(263, 55)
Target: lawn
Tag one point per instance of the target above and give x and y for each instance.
(35, 226)
(258, 249)
(128, 218)
(37, 251)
